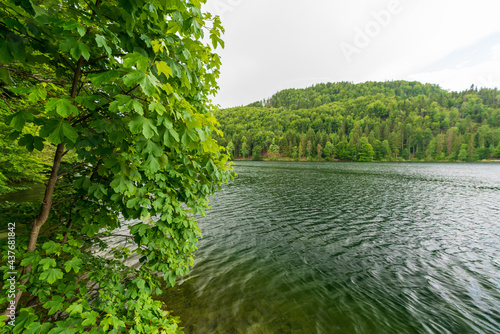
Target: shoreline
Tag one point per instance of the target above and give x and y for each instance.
(365, 162)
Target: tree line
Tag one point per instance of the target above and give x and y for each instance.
(383, 121)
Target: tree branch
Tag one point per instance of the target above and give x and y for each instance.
(34, 76)
(5, 100)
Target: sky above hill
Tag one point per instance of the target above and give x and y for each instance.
(277, 44)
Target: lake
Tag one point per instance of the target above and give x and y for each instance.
(348, 248)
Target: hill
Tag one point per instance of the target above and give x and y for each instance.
(383, 121)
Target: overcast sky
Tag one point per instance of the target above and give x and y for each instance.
(277, 44)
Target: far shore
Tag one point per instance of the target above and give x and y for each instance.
(337, 160)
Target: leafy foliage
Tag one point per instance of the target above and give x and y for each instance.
(399, 119)
(120, 89)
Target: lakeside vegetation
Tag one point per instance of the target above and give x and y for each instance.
(108, 104)
(383, 121)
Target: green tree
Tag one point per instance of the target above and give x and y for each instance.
(244, 149)
(120, 89)
(18, 167)
(274, 151)
(496, 153)
(309, 148)
(319, 150)
(342, 151)
(463, 154)
(418, 121)
(378, 149)
(257, 149)
(230, 149)
(366, 152)
(386, 150)
(328, 151)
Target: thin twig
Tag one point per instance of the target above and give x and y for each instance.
(34, 76)
(5, 100)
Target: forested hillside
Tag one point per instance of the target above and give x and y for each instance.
(363, 122)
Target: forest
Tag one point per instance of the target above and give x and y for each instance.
(382, 121)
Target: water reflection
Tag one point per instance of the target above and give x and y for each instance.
(348, 248)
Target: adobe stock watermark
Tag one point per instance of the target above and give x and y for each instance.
(12, 275)
(363, 36)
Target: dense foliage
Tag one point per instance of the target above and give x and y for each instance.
(18, 167)
(362, 122)
(117, 91)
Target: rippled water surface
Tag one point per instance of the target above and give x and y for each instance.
(348, 248)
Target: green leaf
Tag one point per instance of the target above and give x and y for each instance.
(61, 132)
(5, 76)
(72, 25)
(148, 84)
(47, 263)
(174, 134)
(149, 129)
(194, 123)
(176, 71)
(74, 308)
(190, 139)
(24, 320)
(63, 107)
(68, 44)
(137, 124)
(62, 330)
(158, 107)
(75, 264)
(163, 68)
(216, 41)
(135, 77)
(16, 45)
(20, 119)
(152, 164)
(51, 247)
(90, 318)
(51, 275)
(98, 78)
(81, 49)
(37, 95)
(131, 203)
(153, 148)
(101, 42)
(136, 59)
(37, 328)
(138, 107)
(54, 305)
(69, 132)
(6, 56)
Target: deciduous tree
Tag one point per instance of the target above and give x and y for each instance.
(122, 88)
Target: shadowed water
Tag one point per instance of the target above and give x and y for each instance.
(348, 248)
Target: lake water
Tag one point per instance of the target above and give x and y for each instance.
(348, 248)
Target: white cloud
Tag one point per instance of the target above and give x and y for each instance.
(496, 51)
(277, 44)
(485, 75)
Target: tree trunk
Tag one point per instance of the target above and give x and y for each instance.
(42, 217)
(49, 190)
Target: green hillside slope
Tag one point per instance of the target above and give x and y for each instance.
(370, 121)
